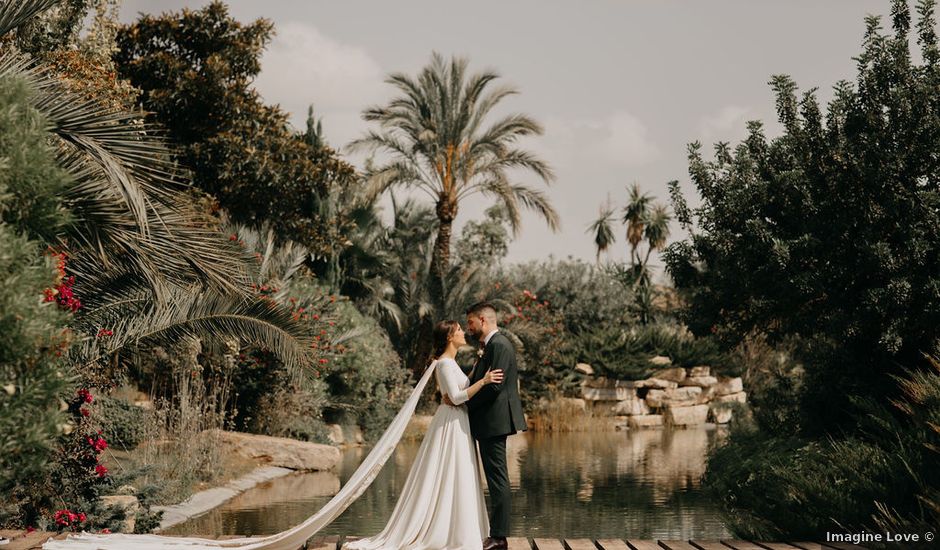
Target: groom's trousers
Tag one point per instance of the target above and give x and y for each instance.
(493, 456)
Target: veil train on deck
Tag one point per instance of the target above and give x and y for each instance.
(286, 540)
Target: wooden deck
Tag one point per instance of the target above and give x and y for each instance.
(19, 540)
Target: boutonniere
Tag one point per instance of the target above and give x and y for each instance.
(480, 352)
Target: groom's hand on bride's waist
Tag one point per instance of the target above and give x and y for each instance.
(446, 400)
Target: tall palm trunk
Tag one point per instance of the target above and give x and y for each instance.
(440, 263)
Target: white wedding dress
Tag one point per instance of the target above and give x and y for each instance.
(440, 507)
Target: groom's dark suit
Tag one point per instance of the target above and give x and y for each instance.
(496, 412)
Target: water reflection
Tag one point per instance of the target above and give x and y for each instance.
(640, 484)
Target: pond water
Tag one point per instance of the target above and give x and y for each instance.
(638, 484)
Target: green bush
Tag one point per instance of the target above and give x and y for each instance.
(366, 382)
(123, 424)
(625, 353)
(883, 477)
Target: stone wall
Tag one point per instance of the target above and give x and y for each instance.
(672, 396)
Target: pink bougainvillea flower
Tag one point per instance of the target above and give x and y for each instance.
(101, 471)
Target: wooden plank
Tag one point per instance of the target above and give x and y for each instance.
(708, 545)
(518, 543)
(580, 544)
(612, 544)
(843, 546)
(548, 544)
(737, 544)
(808, 545)
(643, 544)
(776, 546)
(676, 545)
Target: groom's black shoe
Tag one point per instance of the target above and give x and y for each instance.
(497, 543)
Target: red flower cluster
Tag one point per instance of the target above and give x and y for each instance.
(102, 332)
(101, 471)
(98, 444)
(67, 518)
(62, 292)
(85, 395)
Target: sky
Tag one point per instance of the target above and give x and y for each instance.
(621, 87)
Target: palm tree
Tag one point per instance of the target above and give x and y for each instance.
(148, 266)
(656, 232)
(602, 230)
(635, 214)
(434, 136)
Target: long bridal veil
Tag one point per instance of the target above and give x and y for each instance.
(291, 539)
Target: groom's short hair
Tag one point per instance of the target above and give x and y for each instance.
(486, 309)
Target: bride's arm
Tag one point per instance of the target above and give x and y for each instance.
(452, 387)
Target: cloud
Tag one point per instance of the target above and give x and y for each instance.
(620, 139)
(728, 124)
(303, 66)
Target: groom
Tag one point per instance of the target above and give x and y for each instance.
(495, 412)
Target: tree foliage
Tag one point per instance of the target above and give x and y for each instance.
(825, 238)
(195, 69)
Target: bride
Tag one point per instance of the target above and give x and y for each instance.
(444, 476)
(441, 504)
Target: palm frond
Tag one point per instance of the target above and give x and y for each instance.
(14, 13)
(200, 315)
(126, 196)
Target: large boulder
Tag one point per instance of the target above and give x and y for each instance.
(686, 416)
(658, 383)
(584, 368)
(700, 381)
(632, 406)
(607, 394)
(700, 370)
(129, 504)
(719, 414)
(277, 451)
(740, 397)
(686, 395)
(654, 397)
(675, 374)
(727, 386)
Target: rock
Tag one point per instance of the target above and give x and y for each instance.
(584, 368)
(607, 394)
(621, 423)
(126, 490)
(631, 407)
(686, 416)
(675, 374)
(654, 398)
(740, 397)
(727, 386)
(660, 360)
(277, 451)
(706, 395)
(686, 395)
(700, 370)
(645, 421)
(658, 383)
(129, 504)
(719, 415)
(336, 434)
(700, 381)
(607, 383)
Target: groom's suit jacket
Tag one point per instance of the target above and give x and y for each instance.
(496, 409)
